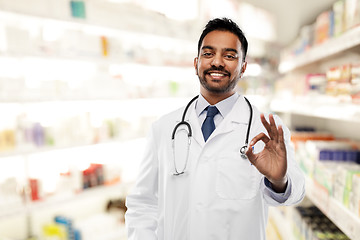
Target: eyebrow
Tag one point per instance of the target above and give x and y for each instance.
(207, 47)
(231, 50)
(226, 49)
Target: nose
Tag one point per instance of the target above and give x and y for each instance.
(217, 61)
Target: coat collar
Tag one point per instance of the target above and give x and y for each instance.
(223, 106)
(239, 114)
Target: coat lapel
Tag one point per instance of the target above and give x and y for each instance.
(239, 114)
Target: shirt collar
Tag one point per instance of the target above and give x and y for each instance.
(223, 106)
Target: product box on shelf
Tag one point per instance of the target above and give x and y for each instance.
(325, 176)
(324, 26)
(7, 140)
(352, 13)
(72, 182)
(93, 176)
(61, 228)
(11, 195)
(341, 83)
(305, 40)
(302, 143)
(355, 83)
(334, 166)
(339, 80)
(355, 195)
(344, 187)
(339, 17)
(316, 83)
(311, 224)
(54, 231)
(343, 16)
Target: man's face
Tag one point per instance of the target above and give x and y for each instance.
(219, 65)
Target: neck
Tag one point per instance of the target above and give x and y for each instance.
(214, 98)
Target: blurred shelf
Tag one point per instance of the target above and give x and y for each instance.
(12, 210)
(71, 56)
(282, 223)
(84, 194)
(147, 107)
(94, 59)
(86, 26)
(34, 150)
(346, 41)
(323, 107)
(260, 101)
(347, 221)
(166, 101)
(58, 200)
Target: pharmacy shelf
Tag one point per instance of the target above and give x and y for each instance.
(12, 210)
(324, 107)
(347, 221)
(68, 56)
(346, 41)
(165, 102)
(33, 149)
(59, 200)
(283, 223)
(84, 194)
(146, 107)
(96, 58)
(86, 25)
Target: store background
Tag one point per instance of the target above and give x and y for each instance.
(81, 82)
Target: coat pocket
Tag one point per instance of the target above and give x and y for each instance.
(236, 179)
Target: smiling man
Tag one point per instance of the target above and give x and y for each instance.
(220, 64)
(193, 183)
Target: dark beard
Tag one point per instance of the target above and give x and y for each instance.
(227, 88)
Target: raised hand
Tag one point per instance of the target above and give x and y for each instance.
(271, 161)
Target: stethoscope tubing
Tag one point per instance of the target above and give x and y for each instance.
(249, 125)
(189, 127)
(243, 149)
(183, 120)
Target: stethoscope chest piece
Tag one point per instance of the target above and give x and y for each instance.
(243, 150)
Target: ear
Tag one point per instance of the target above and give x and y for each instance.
(243, 68)
(196, 65)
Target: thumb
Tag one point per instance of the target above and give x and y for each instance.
(251, 156)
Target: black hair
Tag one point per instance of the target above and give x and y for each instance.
(224, 24)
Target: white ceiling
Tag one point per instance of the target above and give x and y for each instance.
(291, 15)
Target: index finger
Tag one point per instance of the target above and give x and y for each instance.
(270, 127)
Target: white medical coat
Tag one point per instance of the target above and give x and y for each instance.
(220, 196)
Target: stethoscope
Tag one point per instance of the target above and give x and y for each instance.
(243, 149)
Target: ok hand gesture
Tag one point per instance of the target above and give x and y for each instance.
(271, 161)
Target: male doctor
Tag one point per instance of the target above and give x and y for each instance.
(215, 194)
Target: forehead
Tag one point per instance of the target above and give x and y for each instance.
(221, 40)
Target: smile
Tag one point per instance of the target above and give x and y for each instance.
(217, 74)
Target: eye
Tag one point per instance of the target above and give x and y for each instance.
(231, 56)
(207, 54)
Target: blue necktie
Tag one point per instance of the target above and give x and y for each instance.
(209, 126)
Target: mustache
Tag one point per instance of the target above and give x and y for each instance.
(220, 69)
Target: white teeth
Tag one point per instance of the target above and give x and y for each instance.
(217, 74)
